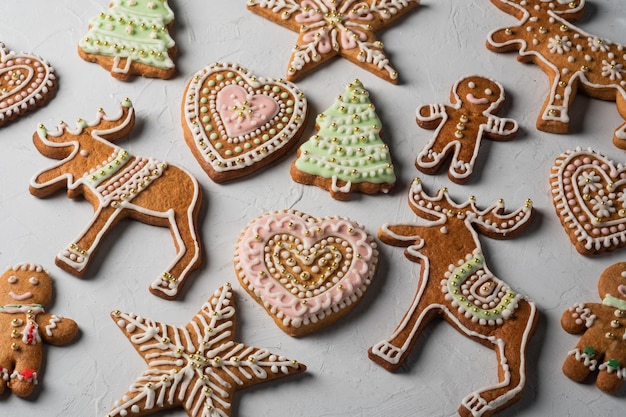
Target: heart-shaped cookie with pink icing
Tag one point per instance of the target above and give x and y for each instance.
(589, 195)
(26, 82)
(306, 272)
(236, 123)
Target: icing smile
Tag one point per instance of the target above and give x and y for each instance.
(470, 97)
(21, 297)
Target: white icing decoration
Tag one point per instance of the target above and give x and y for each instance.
(396, 347)
(185, 363)
(272, 137)
(115, 188)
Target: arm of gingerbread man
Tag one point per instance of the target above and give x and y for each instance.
(431, 115)
(56, 330)
(500, 128)
(578, 318)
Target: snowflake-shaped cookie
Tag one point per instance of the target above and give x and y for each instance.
(328, 28)
(197, 366)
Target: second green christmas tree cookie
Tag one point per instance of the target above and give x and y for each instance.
(347, 154)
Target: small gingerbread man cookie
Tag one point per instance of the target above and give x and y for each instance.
(24, 291)
(461, 126)
(602, 346)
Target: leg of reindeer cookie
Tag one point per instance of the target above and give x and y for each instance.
(511, 354)
(188, 255)
(76, 256)
(554, 117)
(391, 353)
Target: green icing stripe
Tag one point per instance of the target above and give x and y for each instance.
(109, 170)
(460, 275)
(135, 32)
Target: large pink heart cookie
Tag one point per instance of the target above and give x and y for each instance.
(589, 194)
(236, 123)
(306, 272)
(26, 82)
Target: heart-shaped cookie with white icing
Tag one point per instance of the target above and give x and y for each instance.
(236, 123)
(589, 195)
(306, 272)
(26, 82)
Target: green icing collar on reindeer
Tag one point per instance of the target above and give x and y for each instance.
(115, 163)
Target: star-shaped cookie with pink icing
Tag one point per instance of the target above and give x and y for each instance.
(198, 366)
(328, 28)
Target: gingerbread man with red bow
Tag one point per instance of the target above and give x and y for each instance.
(24, 325)
(602, 346)
(461, 126)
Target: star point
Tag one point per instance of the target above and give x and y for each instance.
(329, 28)
(198, 366)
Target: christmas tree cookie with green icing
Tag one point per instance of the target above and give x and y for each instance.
(132, 38)
(347, 154)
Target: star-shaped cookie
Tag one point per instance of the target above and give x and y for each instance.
(327, 28)
(197, 366)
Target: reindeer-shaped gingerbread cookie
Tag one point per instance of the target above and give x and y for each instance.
(602, 346)
(25, 290)
(120, 185)
(456, 284)
(573, 59)
(462, 125)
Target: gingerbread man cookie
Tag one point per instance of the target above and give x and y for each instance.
(25, 290)
(461, 126)
(602, 346)
(573, 59)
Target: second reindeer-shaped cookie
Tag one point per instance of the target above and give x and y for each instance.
(455, 284)
(461, 125)
(120, 185)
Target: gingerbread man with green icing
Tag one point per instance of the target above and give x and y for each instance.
(602, 346)
(24, 325)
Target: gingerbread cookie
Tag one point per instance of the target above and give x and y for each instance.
(124, 185)
(573, 59)
(132, 38)
(26, 83)
(347, 154)
(461, 126)
(328, 28)
(235, 123)
(306, 272)
(198, 366)
(588, 192)
(456, 285)
(602, 346)
(25, 290)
